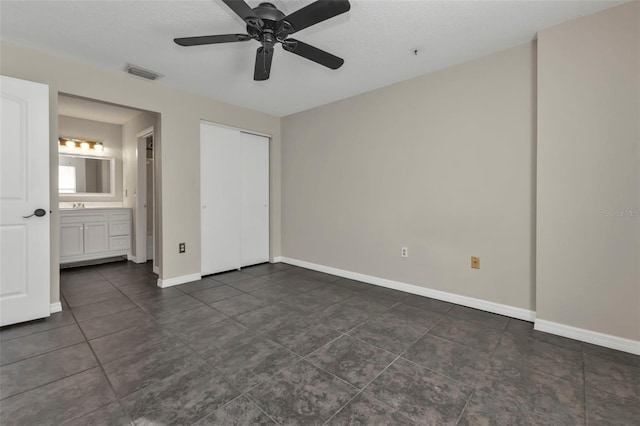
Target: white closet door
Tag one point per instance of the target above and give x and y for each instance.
(220, 195)
(254, 245)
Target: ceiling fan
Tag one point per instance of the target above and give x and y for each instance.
(268, 25)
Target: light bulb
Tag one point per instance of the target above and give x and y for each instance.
(98, 146)
(70, 144)
(84, 146)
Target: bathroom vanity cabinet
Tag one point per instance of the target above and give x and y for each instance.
(94, 233)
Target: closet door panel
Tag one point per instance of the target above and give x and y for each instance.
(220, 195)
(254, 245)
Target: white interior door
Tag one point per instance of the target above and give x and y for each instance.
(220, 195)
(24, 188)
(254, 243)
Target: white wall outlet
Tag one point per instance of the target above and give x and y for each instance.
(404, 252)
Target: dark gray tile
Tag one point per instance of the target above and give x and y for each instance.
(250, 363)
(302, 394)
(156, 293)
(302, 336)
(352, 360)
(122, 279)
(555, 400)
(278, 277)
(208, 340)
(303, 284)
(386, 335)
(42, 369)
(81, 299)
(83, 275)
(341, 317)
(132, 341)
(82, 288)
(265, 269)
(39, 343)
(276, 292)
(186, 321)
(486, 409)
(159, 308)
(388, 293)
(134, 372)
(203, 284)
(231, 277)
(239, 304)
(541, 356)
(480, 338)
(109, 415)
(262, 317)
(310, 302)
(238, 412)
(331, 293)
(423, 396)
(101, 309)
(488, 319)
(353, 284)
(367, 302)
(612, 354)
(406, 316)
(142, 286)
(608, 409)
(448, 358)
(216, 294)
(525, 329)
(620, 379)
(428, 303)
(251, 284)
(320, 276)
(124, 320)
(364, 409)
(59, 401)
(24, 329)
(181, 399)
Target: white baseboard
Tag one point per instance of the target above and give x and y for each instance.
(55, 307)
(277, 259)
(485, 305)
(169, 282)
(134, 259)
(600, 339)
(156, 270)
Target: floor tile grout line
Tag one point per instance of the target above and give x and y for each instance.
(466, 404)
(382, 371)
(104, 373)
(43, 353)
(52, 381)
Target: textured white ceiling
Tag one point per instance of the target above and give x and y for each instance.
(376, 39)
(97, 111)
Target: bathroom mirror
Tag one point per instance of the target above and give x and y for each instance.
(85, 175)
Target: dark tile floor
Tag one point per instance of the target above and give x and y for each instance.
(276, 344)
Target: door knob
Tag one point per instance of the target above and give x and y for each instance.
(36, 212)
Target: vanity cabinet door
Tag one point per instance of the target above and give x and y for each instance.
(96, 237)
(71, 239)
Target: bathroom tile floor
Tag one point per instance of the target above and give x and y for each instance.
(278, 344)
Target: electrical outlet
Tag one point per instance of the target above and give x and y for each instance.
(404, 252)
(182, 247)
(475, 262)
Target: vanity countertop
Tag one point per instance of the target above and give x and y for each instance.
(79, 209)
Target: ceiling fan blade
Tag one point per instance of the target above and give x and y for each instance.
(243, 10)
(313, 53)
(318, 11)
(264, 56)
(211, 39)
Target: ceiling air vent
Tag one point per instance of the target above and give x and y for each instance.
(141, 72)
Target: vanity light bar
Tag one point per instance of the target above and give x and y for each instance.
(80, 144)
